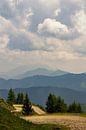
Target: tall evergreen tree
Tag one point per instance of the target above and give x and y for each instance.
(79, 108)
(20, 98)
(75, 108)
(61, 106)
(11, 97)
(51, 103)
(55, 104)
(27, 106)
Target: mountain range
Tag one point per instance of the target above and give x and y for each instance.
(40, 82)
(72, 81)
(20, 73)
(42, 71)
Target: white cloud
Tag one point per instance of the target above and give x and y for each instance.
(53, 27)
(79, 21)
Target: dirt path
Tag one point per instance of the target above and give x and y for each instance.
(73, 122)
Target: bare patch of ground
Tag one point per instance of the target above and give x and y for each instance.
(73, 122)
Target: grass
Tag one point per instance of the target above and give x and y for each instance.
(9, 121)
(67, 114)
(5, 105)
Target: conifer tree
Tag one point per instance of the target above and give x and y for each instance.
(61, 106)
(79, 108)
(55, 104)
(11, 97)
(20, 98)
(27, 106)
(75, 108)
(51, 103)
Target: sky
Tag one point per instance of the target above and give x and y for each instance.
(42, 33)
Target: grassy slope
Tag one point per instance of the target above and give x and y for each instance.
(8, 121)
(5, 105)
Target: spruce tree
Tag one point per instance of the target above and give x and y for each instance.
(61, 106)
(51, 103)
(55, 104)
(27, 106)
(75, 108)
(72, 107)
(79, 108)
(11, 97)
(20, 98)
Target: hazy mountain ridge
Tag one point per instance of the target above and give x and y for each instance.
(72, 81)
(22, 73)
(70, 86)
(42, 71)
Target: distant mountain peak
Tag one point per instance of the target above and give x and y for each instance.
(19, 74)
(42, 71)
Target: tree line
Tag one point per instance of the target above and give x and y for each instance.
(54, 104)
(15, 99)
(20, 98)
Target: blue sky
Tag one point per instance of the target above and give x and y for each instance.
(43, 33)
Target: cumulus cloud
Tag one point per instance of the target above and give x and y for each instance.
(53, 27)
